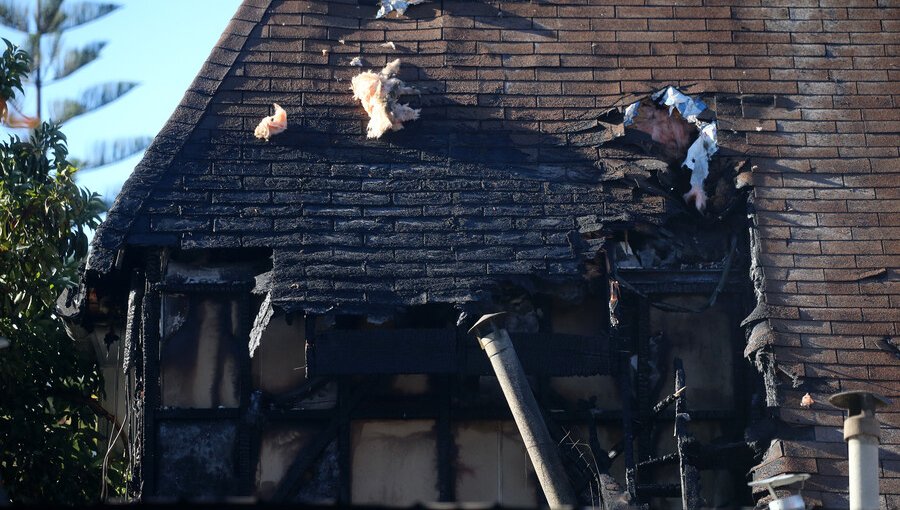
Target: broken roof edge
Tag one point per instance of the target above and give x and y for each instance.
(110, 236)
(473, 301)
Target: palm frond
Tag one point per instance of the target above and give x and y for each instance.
(90, 100)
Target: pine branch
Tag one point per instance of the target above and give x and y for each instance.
(106, 152)
(14, 15)
(74, 15)
(90, 100)
(75, 59)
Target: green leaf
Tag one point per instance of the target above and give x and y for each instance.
(90, 100)
(75, 59)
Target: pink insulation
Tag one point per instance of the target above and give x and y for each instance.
(272, 125)
(379, 94)
(669, 130)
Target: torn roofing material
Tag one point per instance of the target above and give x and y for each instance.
(688, 107)
(398, 6)
(671, 133)
(697, 160)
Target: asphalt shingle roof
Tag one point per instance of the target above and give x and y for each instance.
(504, 173)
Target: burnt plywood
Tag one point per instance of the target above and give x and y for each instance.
(706, 345)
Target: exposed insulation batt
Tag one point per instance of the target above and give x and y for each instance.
(379, 93)
(272, 125)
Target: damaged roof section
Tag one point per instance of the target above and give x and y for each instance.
(480, 192)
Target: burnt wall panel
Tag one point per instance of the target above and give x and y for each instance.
(279, 364)
(199, 351)
(197, 460)
(394, 462)
(493, 466)
(279, 445)
(704, 342)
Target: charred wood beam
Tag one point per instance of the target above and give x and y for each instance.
(190, 414)
(446, 448)
(653, 490)
(132, 322)
(668, 458)
(690, 475)
(658, 410)
(247, 427)
(293, 477)
(150, 339)
(345, 474)
(204, 288)
(627, 443)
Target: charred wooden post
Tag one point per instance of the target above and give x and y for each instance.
(542, 450)
(690, 475)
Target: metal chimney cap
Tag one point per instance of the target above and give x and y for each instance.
(486, 319)
(856, 401)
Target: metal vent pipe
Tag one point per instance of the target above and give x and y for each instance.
(542, 450)
(862, 434)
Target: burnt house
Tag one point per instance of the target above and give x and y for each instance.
(287, 319)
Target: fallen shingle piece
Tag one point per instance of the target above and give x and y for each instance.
(272, 125)
(387, 6)
(379, 94)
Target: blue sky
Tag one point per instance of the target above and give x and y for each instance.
(159, 43)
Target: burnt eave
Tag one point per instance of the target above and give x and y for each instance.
(111, 237)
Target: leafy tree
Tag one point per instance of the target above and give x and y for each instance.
(50, 448)
(44, 23)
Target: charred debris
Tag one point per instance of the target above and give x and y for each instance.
(658, 315)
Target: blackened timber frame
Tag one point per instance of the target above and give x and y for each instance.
(640, 422)
(154, 414)
(444, 351)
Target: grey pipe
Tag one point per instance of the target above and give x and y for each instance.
(542, 450)
(862, 434)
